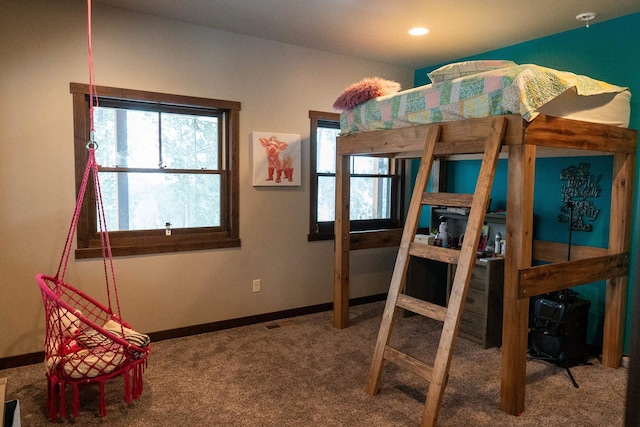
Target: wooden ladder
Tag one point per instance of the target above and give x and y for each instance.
(437, 374)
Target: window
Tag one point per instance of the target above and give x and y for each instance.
(165, 161)
(376, 184)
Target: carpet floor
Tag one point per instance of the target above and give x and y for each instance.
(303, 372)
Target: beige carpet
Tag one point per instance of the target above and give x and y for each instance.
(303, 372)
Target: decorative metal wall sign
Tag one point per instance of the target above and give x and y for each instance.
(580, 186)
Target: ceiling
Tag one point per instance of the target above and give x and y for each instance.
(377, 29)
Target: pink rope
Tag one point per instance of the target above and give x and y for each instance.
(76, 214)
(64, 260)
(104, 235)
(92, 167)
(105, 244)
(93, 98)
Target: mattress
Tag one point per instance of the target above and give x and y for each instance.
(528, 90)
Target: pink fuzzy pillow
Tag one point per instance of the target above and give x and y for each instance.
(365, 90)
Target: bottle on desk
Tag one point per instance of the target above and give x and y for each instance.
(443, 233)
(498, 242)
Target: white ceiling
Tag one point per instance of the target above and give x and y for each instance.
(377, 29)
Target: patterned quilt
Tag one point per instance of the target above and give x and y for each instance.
(514, 90)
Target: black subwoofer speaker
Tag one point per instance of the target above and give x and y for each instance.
(559, 328)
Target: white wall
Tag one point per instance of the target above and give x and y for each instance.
(43, 47)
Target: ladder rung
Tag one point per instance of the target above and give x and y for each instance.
(411, 363)
(425, 308)
(435, 253)
(459, 200)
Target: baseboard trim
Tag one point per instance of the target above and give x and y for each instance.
(38, 357)
(22, 360)
(258, 318)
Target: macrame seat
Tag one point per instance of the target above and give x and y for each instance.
(85, 341)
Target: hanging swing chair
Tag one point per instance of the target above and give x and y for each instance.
(87, 342)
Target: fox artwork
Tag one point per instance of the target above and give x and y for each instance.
(276, 159)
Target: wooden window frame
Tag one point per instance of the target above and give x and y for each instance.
(325, 230)
(141, 242)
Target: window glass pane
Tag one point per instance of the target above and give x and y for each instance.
(326, 150)
(326, 198)
(189, 142)
(370, 165)
(370, 198)
(142, 201)
(105, 135)
(126, 138)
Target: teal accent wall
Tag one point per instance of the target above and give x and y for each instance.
(607, 51)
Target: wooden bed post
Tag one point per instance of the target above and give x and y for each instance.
(342, 244)
(519, 227)
(619, 241)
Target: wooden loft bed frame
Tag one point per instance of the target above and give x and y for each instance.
(545, 136)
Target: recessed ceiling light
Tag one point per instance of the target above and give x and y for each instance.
(418, 31)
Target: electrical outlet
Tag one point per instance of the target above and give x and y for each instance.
(256, 285)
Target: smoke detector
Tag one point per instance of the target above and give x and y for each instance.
(586, 17)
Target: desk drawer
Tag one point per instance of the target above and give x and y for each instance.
(476, 302)
(478, 277)
(473, 326)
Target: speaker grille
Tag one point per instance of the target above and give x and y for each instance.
(558, 330)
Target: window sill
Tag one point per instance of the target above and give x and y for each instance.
(368, 239)
(169, 247)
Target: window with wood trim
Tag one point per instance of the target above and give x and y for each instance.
(376, 184)
(168, 168)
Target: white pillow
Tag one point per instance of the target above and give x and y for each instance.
(467, 68)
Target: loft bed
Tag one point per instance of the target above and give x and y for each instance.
(549, 113)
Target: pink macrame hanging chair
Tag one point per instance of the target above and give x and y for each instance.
(86, 342)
